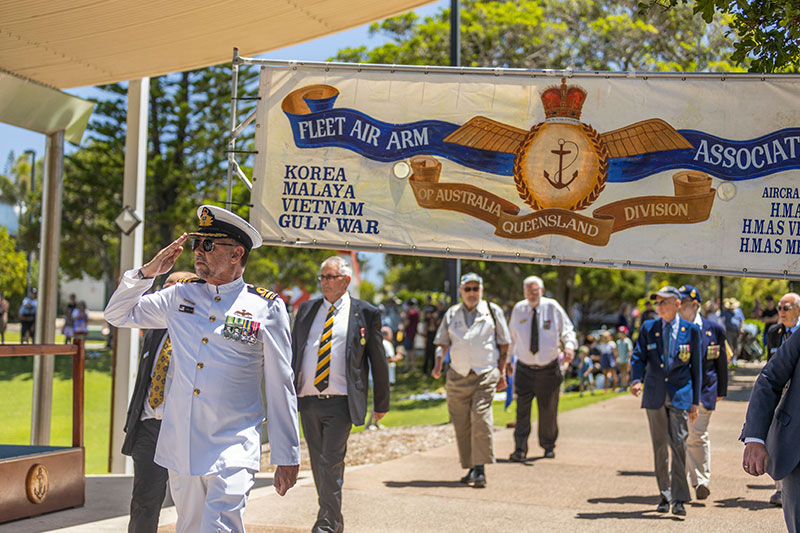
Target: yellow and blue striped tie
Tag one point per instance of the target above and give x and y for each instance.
(324, 354)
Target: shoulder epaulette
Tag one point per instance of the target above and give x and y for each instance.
(261, 291)
(191, 279)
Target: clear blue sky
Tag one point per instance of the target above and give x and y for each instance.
(18, 140)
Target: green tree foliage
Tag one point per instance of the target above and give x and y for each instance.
(13, 268)
(768, 31)
(188, 125)
(558, 34)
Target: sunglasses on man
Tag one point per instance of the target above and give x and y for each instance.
(785, 307)
(471, 289)
(208, 244)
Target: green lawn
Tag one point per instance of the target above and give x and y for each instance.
(17, 392)
(16, 387)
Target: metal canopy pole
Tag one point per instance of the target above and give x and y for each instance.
(234, 131)
(452, 267)
(50, 239)
(126, 356)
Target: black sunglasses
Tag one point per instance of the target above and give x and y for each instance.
(208, 244)
(785, 307)
(470, 289)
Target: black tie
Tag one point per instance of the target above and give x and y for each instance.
(535, 331)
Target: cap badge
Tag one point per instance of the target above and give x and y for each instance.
(206, 218)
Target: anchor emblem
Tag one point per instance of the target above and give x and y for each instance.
(558, 182)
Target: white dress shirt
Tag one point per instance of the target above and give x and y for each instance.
(554, 326)
(337, 380)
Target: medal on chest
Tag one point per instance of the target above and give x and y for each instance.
(240, 329)
(684, 352)
(712, 352)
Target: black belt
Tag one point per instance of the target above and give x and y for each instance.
(325, 396)
(552, 364)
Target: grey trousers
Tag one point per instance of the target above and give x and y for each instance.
(149, 479)
(543, 383)
(790, 496)
(326, 426)
(669, 428)
(469, 402)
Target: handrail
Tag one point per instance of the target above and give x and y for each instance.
(78, 354)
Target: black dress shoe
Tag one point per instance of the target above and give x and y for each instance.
(549, 454)
(678, 509)
(663, 506)
(517, 456)
(469, 478)
(702, 492)
(479, 481)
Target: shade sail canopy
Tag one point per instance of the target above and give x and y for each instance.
(74, 43)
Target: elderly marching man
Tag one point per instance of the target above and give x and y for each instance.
(226, 336)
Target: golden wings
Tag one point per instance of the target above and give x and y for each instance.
(652, 135)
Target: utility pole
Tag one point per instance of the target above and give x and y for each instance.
(453, 266)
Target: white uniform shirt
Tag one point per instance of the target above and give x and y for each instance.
(473, 347)
(337, 381)
(554, 326)
(158, 412)
(213, 410)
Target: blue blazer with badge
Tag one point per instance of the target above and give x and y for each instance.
(681, 381)
(715, 363)
(774, 415)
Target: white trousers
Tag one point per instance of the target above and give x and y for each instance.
(698, 449)
(213, 502)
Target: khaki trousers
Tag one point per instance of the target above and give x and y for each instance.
(698, 449)
(469, 402)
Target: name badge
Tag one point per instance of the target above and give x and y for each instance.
(651, 346)
(546, 324)
(186, 309)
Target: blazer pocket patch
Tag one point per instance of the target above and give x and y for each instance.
(783, 417)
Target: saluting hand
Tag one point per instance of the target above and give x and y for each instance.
(164, 259)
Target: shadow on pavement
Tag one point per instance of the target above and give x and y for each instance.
(626, 515)
(635, 473)
(641, 500)
(750, 505)
(768, 486)
(424, 483)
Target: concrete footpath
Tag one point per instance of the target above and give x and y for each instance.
(601, 480)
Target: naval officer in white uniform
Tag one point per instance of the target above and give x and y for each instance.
(226, 335)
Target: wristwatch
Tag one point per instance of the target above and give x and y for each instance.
(139, 275)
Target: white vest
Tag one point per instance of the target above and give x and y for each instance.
(474, 347)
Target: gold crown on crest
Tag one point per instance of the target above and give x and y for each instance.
(206, 218)
(563, 102)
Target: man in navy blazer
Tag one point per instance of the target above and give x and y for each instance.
(714, 387)
(667, 354)
(772, 427)
(336, 342)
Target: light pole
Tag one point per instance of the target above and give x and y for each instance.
(31, 153)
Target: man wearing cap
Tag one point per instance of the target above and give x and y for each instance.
(477, 336)
(667, 354)
(714, 387)
(788, 323)
(539, 326)
(336, 342)
(226, 335)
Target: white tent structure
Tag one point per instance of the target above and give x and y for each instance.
(45, 46)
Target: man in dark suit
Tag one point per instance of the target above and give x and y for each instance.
(143, 425)
(336, 341)
(667, 354)
(714, 354)
(788, 315)
(772, 427)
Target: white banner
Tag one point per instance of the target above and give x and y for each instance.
(693, 173)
